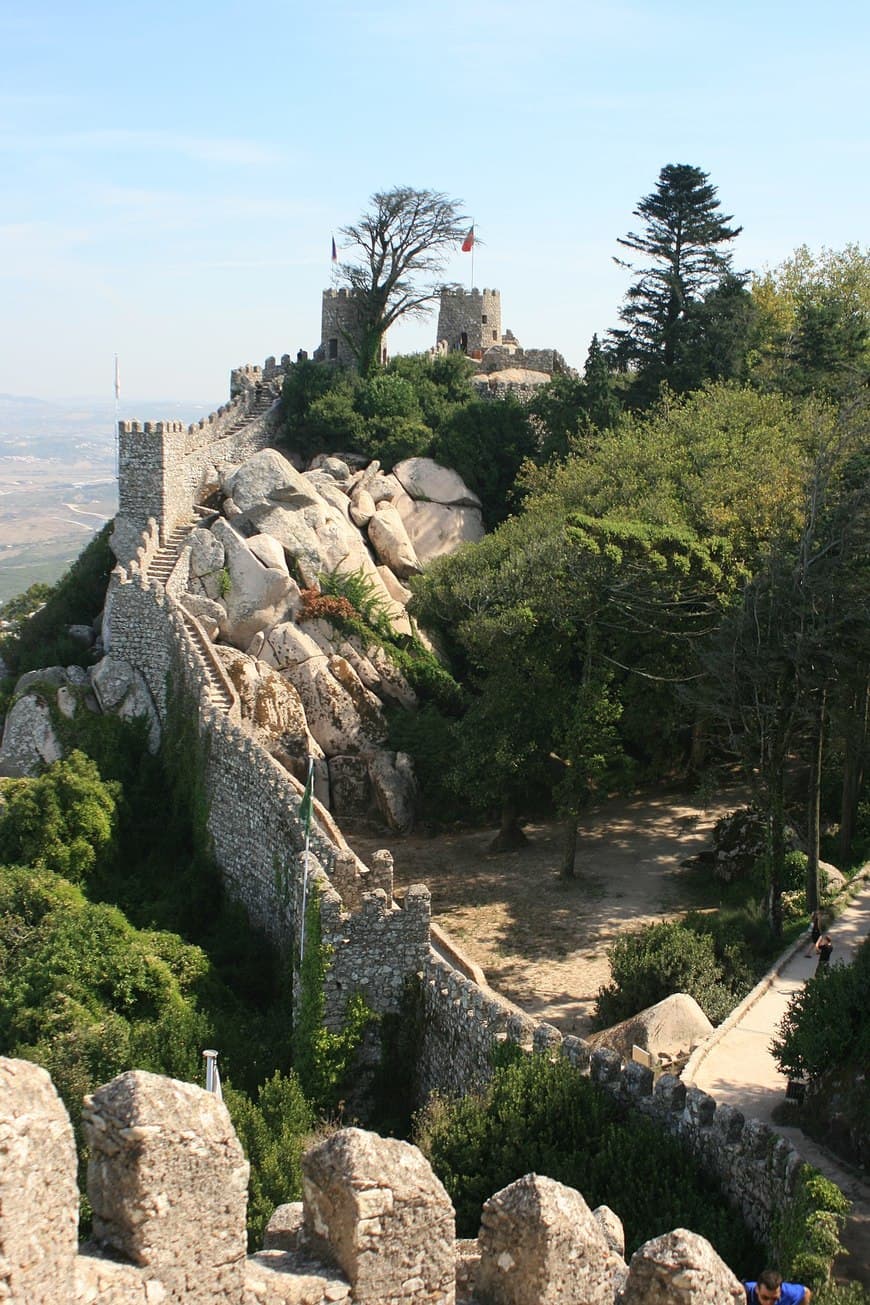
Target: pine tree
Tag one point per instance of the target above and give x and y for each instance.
(682, 236)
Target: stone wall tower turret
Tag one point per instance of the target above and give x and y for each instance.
(470, 320)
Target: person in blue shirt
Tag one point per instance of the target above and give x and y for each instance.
(771, 1290)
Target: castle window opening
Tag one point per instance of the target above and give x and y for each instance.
(483, 318)
(495, 335)
(463, 341)
(333, 348)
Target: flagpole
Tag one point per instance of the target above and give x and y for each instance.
(305, 813)
(117, 405)
(473, 243)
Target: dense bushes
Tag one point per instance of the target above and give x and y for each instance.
(86, 995)
(666, 958)
(415, 407)
(541, 1116)
(826, 1025)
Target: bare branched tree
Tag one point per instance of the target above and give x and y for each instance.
(404, 242)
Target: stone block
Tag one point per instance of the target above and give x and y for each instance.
(384, 1216)
(167, 1180)
(680, 1268)
(540, 1243)
(38, 1194)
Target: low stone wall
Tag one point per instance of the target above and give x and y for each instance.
(756, 1168)
(167, 1182)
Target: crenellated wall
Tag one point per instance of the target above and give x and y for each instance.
(756, 1168)
(253, 813)
(167, 1183)
(164, 467)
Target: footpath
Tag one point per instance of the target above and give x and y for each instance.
(735, 1065)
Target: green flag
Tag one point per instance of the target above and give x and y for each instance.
(305, 804)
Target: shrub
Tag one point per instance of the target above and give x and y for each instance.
(273, 1131)
(62, 821)
(826, 1026)
(660, 960)
(540, 1116)
(806, 1238)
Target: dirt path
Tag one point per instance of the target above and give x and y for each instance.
(542, 940)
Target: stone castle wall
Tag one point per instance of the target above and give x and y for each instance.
(253, 803)
(755, 1167)
(338, 325)
(167, 1183)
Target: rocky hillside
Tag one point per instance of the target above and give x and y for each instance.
(272, 573)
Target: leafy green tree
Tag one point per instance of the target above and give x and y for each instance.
(403, 243)
(813, 322)
(682, 239)
(63, 821)
(658, 961)
(486, 442)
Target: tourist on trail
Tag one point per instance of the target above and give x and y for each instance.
(770, 1288)
(815, 930)
(824, 947)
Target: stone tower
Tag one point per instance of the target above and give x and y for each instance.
(470, 320)
(338, 322)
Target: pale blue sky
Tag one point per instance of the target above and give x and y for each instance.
(172, 172)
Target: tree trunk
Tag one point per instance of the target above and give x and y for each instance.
(814, 807)
(777, 851)
(569, 849)
(853, 769)
(509, 836)
(698, 754)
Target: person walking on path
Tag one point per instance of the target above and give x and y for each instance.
(770, 1288)
(824, 947)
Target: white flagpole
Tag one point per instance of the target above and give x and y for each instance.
(212, 1074)
(117, 406)
(309, 787)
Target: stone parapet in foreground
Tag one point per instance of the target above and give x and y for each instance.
(168, 1184)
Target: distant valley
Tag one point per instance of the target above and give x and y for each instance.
(58, 479)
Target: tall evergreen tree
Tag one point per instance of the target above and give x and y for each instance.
(682, 238)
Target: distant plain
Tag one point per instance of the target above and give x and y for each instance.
(58, 480)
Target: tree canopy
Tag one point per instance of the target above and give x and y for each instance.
(681, 244)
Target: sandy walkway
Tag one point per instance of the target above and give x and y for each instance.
(542, 940)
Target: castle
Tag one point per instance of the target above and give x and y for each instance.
(253, 820)
(469, 322)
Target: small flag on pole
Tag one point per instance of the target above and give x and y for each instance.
(117, 379)
(334, 251)
(468, 242)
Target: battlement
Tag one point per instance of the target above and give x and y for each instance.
(167, 1182)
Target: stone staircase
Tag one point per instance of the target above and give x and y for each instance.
(217, 690)
(163, 562)
(262, 402)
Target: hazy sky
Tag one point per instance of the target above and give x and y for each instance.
(173, 172)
